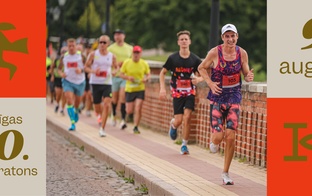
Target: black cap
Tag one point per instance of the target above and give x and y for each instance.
(119, 31)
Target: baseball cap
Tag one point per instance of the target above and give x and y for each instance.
(119, 31)
(137, 49)
(228, 27)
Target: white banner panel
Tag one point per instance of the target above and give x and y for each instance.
(289, 54)
(23, 146)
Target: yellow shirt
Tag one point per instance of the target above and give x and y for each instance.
(138, 70)
(48, 63)
(121, 52)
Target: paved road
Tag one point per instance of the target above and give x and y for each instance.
(70, 171)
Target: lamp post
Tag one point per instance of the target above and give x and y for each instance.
(108, 3)
(88, 23)
(61, 4)
(214, 24)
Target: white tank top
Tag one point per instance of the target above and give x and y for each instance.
(104, 62)
(71, 63)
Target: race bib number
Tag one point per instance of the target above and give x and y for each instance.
(184, 85)
(72, 65)
(230, 81)
(102, 74)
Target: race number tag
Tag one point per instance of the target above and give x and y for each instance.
(230, 81)
(72, 64)
(184, 85)
(102, 74)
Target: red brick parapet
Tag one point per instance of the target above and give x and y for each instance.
(251, 135)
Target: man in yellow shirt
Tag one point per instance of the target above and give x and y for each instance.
(122, 51)
(136, 72)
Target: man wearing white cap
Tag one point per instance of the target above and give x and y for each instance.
(225, 63)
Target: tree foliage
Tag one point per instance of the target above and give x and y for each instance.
(154, 23)
(90, 20)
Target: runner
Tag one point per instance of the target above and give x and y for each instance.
(137, 72)
(122, 51)
(86, 99)
(99, 64)
(225, 62)
(57, 79)
(182, 65)
(73, 80)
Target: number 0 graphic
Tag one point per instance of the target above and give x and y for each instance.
(17, 146)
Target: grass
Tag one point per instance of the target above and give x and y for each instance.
(161, 58)
(143, 189)
(129, 180)
(242, 160)
(120, 173)
(178, 142)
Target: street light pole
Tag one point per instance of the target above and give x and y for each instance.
(108, 2)
(61, 3)
(88, 23)
(214, 24)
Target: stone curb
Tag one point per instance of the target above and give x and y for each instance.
(155, 185)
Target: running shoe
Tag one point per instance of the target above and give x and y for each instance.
(226, 179)
(99, 119)
(113, 120)
(173, 133)
(123, 125)
(72, 127)
(102, 132)
(81, 106)
(56, 108)
(62, 112)
(213, 148)
(88, 113)
(136, 130)
(184, 150)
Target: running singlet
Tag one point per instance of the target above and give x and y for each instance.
(104, 62)
(55, 71)
(48, 65)
(71, 63)
(228, 74)
(181, 71)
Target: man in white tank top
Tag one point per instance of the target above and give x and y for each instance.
(73, 80)
(99, 64)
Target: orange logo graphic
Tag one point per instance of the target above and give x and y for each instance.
(16, 46)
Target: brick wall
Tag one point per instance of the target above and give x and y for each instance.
(251, 134)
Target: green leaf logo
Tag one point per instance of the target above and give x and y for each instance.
(16, 46)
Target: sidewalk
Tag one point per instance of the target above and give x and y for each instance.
(154, 160)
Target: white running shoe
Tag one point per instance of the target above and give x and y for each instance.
(123, 125)
(88, 113)
(114, 121)
(226, 179)
(213, 148)
(102, 132)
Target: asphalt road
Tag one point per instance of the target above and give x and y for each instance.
(71, 171)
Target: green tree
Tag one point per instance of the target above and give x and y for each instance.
(155, 24)
(90, 19)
